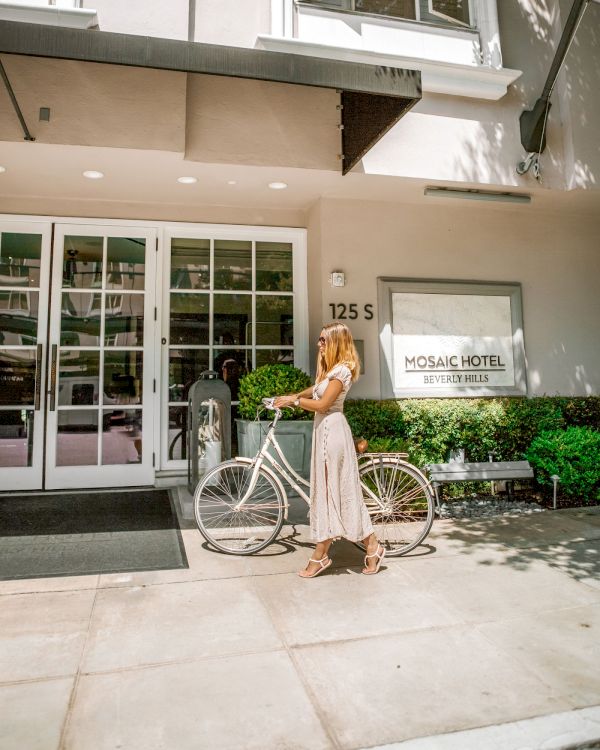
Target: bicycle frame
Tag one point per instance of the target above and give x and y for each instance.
(290, 475)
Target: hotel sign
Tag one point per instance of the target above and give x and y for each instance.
(450, 339)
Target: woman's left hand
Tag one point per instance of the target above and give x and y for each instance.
(282, 401)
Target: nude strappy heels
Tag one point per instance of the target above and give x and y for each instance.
(379, 555)
(318, 571)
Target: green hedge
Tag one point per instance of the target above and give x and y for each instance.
(428, 429)
(572, 454)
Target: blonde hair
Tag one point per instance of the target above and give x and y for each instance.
(339, 349)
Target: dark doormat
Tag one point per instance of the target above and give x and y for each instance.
(88, 532)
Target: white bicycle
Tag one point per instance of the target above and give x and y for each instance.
(241, 504)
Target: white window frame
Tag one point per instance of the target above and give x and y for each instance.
(350, 7)
(484, 19)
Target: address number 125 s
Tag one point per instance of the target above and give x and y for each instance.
(350, 312)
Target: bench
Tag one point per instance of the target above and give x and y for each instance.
(489, 471)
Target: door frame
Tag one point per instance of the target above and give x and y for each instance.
(20, 478)
(110, 475)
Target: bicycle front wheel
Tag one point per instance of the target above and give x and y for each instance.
(234, 529)
(400, 504)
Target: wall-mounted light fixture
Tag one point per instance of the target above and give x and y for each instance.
(337, 278)
(477, 195)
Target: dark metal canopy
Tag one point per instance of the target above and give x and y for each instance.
(374, 97)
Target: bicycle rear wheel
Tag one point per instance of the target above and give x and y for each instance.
(403, 516)
(240, 531)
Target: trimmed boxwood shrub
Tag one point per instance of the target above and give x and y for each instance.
(374, 419)
(523, 419)
(428, 429)
(271, 380)
(573, 455)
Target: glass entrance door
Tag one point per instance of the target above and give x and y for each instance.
(101, 388)
(24, 273)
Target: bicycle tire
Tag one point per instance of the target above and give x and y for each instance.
(249, 529)
(408, 504)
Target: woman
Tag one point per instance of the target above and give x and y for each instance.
(337, 508)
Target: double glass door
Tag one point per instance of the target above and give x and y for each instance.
(77, 330)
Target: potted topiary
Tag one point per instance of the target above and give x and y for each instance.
(294, 432)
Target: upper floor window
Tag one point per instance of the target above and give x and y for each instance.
(441, 12)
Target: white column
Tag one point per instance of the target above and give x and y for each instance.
(489, 32)
(282, 14)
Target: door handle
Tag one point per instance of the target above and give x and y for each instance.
(53, 378)
(38, 377)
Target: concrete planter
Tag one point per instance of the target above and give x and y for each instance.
(294, 438)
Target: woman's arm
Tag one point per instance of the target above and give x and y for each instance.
(323, 404)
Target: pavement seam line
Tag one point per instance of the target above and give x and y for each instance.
(73, 696)
(319, 713)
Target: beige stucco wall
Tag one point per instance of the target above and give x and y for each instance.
(162, 19)
(555, 257)
(580, 101)
(232, 22)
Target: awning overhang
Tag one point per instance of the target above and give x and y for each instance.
(373, 98)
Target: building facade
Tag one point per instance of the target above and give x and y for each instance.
(172, 217)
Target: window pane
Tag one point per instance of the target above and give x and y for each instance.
(232, 318)
(82, 262)
(185, 366)
(275, 320)
(122, 437)
(18, 317)
(125, 259)
(16, 437)
(445, 11)
(124, 320)
(20, 259)
(80, 319)
(330, 4)
(177, 433)
(17, 377)
(394, 8)
(78, 378)
(274, 357)
(123, 377)
(189, 318)
(190, 264)
(233, 265)
(231, 365)
(274, 267)
(77, 438)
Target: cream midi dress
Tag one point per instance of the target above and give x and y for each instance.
(337, 508)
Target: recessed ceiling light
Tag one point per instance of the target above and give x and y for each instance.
(92, 174)
(187, 180)
(2, 169)
(232, 182)
(278, 185)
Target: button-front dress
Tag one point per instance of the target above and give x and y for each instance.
(337, 508)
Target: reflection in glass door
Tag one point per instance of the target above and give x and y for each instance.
(24, 270)
(101, 387)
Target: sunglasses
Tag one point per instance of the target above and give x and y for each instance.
(321, 340)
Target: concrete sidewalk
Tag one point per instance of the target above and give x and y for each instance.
(490, 623)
